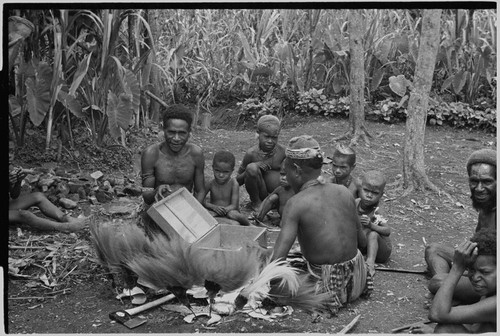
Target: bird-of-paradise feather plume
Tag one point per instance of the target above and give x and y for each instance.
(258, 289)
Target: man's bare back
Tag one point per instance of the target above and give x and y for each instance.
(327, 234)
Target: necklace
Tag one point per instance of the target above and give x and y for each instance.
(319, 180)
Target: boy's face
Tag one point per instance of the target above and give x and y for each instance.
(483, 275)
(176, 134)
(370, 193)
(267, 141)
(222, 172)
(341, 167)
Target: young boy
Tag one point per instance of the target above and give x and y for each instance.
(224, 190)
(374, 226)
(343, 163)
(260, 167)
(19, 205)
(480, 256)
(277, 199)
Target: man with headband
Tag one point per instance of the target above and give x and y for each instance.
(324, 219)
(482, 171)
(260, 167)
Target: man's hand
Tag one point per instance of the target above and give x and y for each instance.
(162, 191)
(220, 211)
(465, 254)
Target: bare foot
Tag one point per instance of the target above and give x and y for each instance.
(76, 224)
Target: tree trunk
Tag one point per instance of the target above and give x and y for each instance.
(413, 159)
(357, 127)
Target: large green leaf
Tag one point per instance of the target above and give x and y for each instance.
(398, 85)
(80, 74)
(119, 112)
(459, 81)
(15, 107)
(132, 88)
(70, 102)
(38, 93)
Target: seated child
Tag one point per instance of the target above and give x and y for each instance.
(374, 226)
(479, 256)
(224, 190)
(19, 205)
(260, 167)
(343, 163)
(277, 199)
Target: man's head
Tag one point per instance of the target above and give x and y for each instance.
(482, 170)
(177, 120)
(483, 274)
(343, 161)
(372, 188)
(223, 166)
(268, 130)
(303, 162)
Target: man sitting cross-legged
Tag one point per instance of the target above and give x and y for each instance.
(328, 232)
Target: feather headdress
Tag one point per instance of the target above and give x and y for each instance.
(259, 287)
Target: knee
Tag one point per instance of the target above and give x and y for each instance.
(430, 250)
(253, 169)
(435, 282)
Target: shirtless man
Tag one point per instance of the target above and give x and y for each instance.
(173, 163)
(328, 232)
(260, 167)
(481, 168)
(343, 163)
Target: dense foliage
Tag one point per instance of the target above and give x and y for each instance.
(95, 69)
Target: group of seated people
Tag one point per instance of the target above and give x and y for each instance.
(334, 216)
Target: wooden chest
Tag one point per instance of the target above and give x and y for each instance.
(181, 216)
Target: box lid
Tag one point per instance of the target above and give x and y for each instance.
(183, 213)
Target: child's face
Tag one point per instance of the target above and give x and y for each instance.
(267, 141)
(370, 193)
(222, 172)
(341, 167)
(483, 275)
(283, 181)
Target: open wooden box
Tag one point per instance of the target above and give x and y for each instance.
(180, 215)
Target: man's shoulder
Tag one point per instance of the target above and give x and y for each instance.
(152, 149)
(194, 149)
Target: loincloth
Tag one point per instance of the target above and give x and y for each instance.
(345, 281)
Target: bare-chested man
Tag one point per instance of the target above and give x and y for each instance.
(260, 167)
(482, 169)
(324, 219)
(173, 163)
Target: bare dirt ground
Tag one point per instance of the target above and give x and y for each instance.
(82, 297)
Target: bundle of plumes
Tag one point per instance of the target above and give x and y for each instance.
(165, 266)
(115, 245)
(276, 271)
(225, 270)
(305, 297)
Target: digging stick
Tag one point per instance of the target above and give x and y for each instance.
(351, 324)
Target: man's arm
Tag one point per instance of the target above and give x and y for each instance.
(199, 176)
(289, 228)
(148, 160)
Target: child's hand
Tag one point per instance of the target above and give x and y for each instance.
(264, 166)
(16, 175)
(365, 220)
(465, 254)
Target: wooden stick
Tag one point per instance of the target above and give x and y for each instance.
(400, 270)
(351, 324)
(410, 326)
(161, 102)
